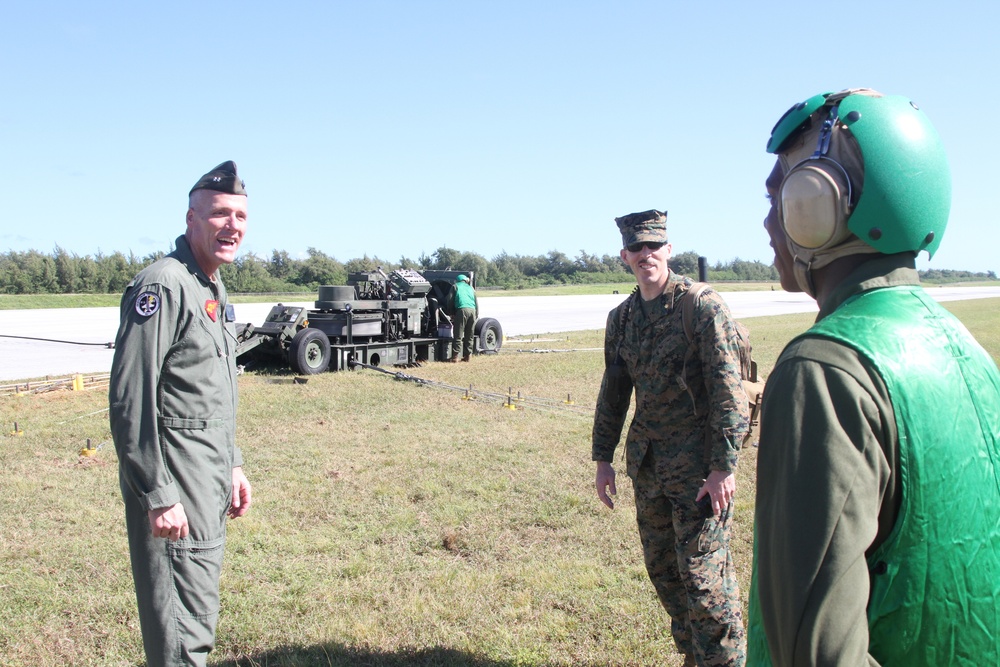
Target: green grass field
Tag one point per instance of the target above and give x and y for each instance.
(393, 523)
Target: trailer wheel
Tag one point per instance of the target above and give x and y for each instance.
(310, 352)
(489, 334)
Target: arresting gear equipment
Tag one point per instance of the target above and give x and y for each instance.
(508, 401)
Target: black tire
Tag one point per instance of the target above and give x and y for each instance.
(489, 335)
(310, 352)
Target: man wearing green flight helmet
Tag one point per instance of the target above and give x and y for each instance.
(878, 483)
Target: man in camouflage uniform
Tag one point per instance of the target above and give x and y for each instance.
(173, 420)
(690, 420)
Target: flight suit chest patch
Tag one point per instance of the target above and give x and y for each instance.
(212, 308)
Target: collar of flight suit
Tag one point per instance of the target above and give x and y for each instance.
(880, 271)
(182, 251)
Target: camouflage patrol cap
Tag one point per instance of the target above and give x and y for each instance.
(642, 227)
(222, 178)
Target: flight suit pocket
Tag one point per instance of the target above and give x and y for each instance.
(196, 568)
(192, 424)
(197, 451)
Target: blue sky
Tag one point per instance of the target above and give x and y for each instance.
(396, 127)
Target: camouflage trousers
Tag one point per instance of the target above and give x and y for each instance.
(688, 560)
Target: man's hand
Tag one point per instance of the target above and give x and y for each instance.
(241, 494)
(605, 483)
(169, 522)
(721, 486)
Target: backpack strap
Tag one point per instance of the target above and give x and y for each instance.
(623, 316)
(626, 310)
(687, 308)
(617, 384)
(688, 303)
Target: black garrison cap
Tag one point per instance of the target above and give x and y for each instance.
(222, 178)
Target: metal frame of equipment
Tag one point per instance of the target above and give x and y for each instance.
(396, 319)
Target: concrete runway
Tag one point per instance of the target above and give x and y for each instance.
(95, 328)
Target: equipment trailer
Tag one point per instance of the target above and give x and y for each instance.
(400, 319)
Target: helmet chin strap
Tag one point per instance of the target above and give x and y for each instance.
(806, 261)
(802, 275)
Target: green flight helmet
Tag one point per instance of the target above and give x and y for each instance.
(905, 193)
(794, 121)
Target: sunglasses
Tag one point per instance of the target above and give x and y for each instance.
(637, 247)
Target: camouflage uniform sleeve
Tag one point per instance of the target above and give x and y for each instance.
(141, 347)
(729, 415)
(614, 396)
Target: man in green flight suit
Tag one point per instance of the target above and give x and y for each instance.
(691, 416)
(173, 420)
(878, 479)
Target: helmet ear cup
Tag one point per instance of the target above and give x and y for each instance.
(813, 207)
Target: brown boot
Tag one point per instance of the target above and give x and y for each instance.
(689, 661)
(465, 358)
(453, 360)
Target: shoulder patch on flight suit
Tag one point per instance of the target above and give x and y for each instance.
(212, 308)
(147, 303)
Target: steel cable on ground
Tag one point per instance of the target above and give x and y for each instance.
(536, 350)
(89, 414)
(52, 340)
(505, 399)
(538, 401)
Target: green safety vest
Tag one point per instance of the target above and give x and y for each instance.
(935, 582)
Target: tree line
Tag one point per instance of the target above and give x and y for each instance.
(62, 272)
